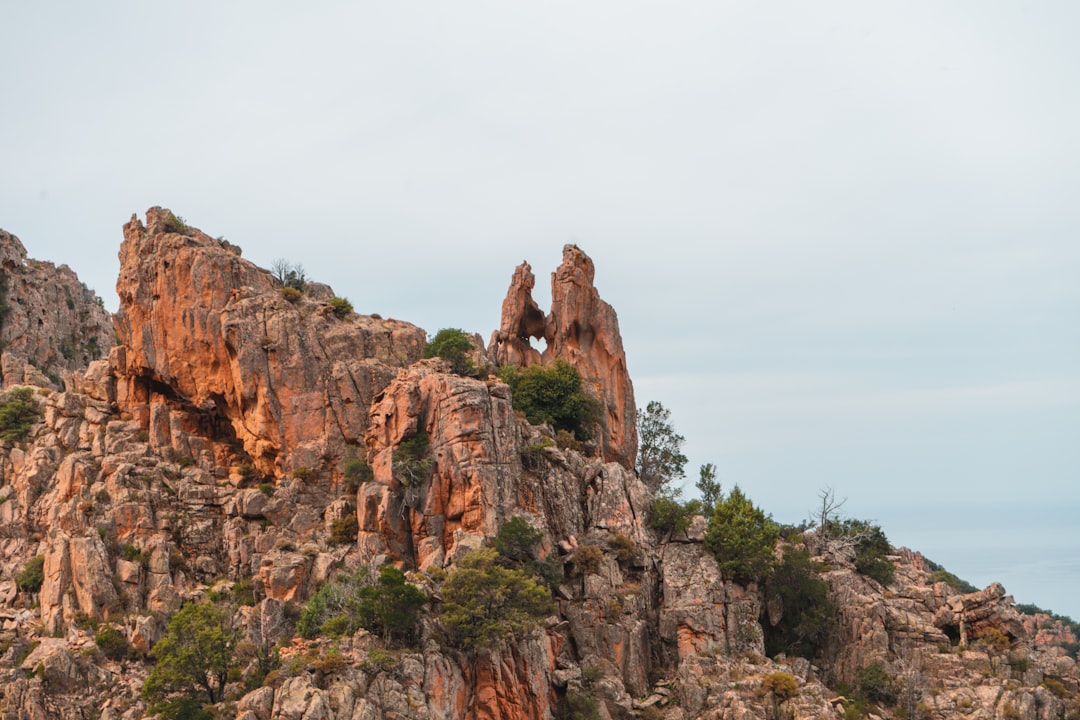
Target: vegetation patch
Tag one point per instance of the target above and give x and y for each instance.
(554, 395)
(452, 345)
(485, 603)
(18, 413)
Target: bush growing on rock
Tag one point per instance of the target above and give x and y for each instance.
(341, 306)
(741, 537)
(195, 657)
(484, 603)
(669, 516)
(782, 685)
(412, 466)
(804, 597)
(452, 345)
(18, 413)
(517, 539)
(873, 684)
(554, 395)
(389, 606)
(32, 576)
(577, 706)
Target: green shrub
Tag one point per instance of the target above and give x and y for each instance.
(389, 606)
(32, 575)
(517, 539)
(343, 531)
(412, 466)
(804, 597)
(131, 553)
(554, 395)
(452, 345)
(356, 470)
(782, 685)
(18, 413)
(112, 643)
(586, 560)
(377, 661)
(671, 516)
(872, 683)
(176, 223)
(534, 457)
(341, 306)
(195, 656)
(741, 537)
(291, 294)
(576, 706)
(1056, 687)
(625, 549)
(940, 574)
(870, 544)
(484, 603)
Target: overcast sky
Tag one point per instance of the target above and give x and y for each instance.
(841, 237)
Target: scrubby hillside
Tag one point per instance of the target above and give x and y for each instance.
(262, 505)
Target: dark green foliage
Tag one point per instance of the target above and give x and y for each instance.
(32, 575)
(660, 459)
(484, 603)
(741, 537)
(804, 596)
(554, 395)
(452, 345)
(18, 413)
(873, 683)
(412, 466)
(871, 547)
(390, 606)
(343, 531)
(356, 470)
(669, 516)
(112, 643)
(183, 708)
(517, 539)
(175, 223)
(195, 656)
(709, 487)
(244, 592)
(341, 306)
(576, 706)
(940, 574)
(131, 553)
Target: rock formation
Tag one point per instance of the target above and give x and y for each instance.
(207, 459)
(209, 338)
(582, 330)
(50, 323)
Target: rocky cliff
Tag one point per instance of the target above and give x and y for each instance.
(50, 323)
(249, 447)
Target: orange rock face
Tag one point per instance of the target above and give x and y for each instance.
(581, 329)
(209, 336)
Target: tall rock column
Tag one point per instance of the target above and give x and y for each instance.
(581, 329)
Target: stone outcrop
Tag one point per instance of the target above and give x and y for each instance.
(205, 460)
(210, 340)
(580, 329)
(50, 323)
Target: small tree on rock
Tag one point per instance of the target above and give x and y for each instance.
(741, 537)
(195, 656)
(660, 459)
